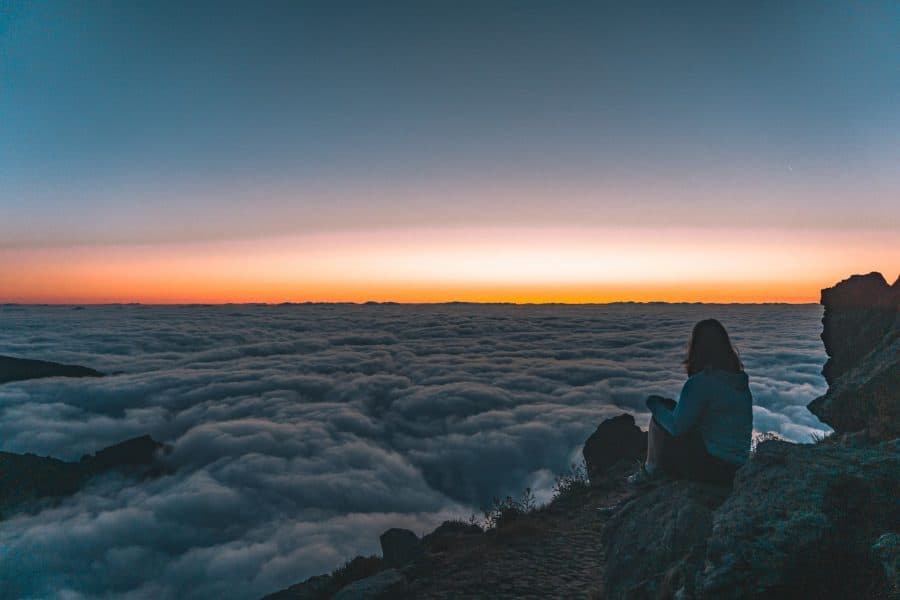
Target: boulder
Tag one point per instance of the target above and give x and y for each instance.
(862, 338)
(20, 369)
(655, 545)
(802, 521)
(400, 547)
(615, 440)
(381, 585)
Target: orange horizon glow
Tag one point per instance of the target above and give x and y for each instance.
(519, 265)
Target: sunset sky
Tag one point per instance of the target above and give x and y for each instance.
(432, 151)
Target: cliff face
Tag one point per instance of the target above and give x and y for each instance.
(861, 332)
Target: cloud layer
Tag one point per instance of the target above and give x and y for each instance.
(301, 432)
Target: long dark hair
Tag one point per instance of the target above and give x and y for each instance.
(711, 347)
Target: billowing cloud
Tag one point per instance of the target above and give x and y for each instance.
(301, 432)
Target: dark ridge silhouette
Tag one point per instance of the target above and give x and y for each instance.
(20, 369)
(27, 480)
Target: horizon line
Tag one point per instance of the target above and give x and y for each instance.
(398, 303)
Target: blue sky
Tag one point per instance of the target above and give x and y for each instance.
(183, 122)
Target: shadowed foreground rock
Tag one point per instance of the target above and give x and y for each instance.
(20, 369)
(615, 440)
(802, 521)
(27, 480)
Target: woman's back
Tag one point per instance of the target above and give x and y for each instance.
(726, 419)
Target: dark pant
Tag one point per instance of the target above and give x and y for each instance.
(686, 457)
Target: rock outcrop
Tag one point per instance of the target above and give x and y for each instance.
(20, 369)
(615, 440)
(858, 312)
(861, 332)
(27, 480)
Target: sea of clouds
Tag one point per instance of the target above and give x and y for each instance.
(301, 432)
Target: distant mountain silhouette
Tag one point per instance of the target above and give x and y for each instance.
(27, 481)
(19, 369)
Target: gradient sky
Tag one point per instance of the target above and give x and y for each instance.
(426, 151)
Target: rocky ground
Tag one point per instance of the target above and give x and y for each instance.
(554, 551)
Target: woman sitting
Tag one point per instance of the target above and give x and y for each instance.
(706, 435)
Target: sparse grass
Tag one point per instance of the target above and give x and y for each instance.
(505, 511)
(508, 510)
(575, 480)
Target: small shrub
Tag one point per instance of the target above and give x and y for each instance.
(574, 480)
(508, 510)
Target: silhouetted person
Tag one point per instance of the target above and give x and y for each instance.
(705, 435)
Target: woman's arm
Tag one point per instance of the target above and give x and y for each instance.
(691, 403)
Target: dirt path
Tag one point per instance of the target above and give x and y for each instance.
(554, 552)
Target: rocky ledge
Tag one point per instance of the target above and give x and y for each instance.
(29, 482)
(801, 520)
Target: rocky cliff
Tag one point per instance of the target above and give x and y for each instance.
(861, 332)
